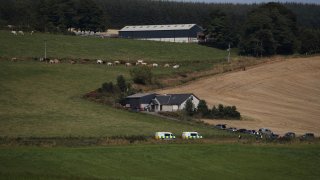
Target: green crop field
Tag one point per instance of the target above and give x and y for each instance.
(196, 161)
(62, 46)
(43, 100)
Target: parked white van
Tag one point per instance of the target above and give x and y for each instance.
(191, 135)
(164, 135)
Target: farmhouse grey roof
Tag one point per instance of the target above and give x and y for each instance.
(158, 27)
(172, 99)
(139, 95)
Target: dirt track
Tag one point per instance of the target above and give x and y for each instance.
(283, 96)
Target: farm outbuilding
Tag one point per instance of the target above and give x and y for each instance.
(187, 33)
(139, 101)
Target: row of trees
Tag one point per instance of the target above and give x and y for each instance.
(220, 112)
(53, 15)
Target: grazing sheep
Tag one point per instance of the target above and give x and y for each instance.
(56, 61)
(128, 64)
(14, 32)
(14, 59)
(51, 61)
(154, 65)
(140, 61)
(143, 64)
(31, 32)
(166, 65)
(73, 62)
(116, 62)
(176, 66)
(21, 32)
(109, 64)
(99, 61)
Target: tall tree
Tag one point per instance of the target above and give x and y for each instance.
(269, 29)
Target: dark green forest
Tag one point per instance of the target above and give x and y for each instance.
(257, 29)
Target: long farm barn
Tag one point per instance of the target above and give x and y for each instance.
(187, 33)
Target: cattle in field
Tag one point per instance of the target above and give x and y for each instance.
(109, 64)
(166, 65)
(21, 32)
(14, 32)
(155, 65)
(116, 62)
(176, 66)
(128, 64)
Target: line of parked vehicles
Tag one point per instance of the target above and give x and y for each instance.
(170, 135)
(265, 133)
(261, 133)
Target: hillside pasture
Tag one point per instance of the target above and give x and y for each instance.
(44, 100)
(75, 47)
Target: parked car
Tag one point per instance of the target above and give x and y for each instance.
(221, 126)
(191, 135)
(164, 135)
(289, 135)
(252, 132)
(232, 129)
(307, 136)
(265, 131)
(242, 130)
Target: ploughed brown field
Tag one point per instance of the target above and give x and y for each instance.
(283, 96)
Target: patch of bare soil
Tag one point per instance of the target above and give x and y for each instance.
(283, 96)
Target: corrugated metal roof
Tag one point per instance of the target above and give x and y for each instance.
(158, 27)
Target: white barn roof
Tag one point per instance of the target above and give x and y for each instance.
(158, 27)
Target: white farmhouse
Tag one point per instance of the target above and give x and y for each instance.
(172, 102)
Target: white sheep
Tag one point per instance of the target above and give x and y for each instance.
(14, 32)
(116, 62)
(176, 66)
(166, 65)
(109, 64)
(99, 61)
(128, 64)
(154, 65)
(21, 32)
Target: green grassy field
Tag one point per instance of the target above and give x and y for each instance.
(196, 161)
(61, 46)
(43, 100)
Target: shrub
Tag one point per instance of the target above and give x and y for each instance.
(189, 108)
(202, 108)
(121, 83)
(108, 87)
(141, 75)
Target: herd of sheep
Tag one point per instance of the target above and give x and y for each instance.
(139, 62)
(115, 63)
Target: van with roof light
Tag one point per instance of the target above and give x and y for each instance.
(164, 135)
(191, 135)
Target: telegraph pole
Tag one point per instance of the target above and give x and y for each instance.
(45, 49)
(229, 50)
